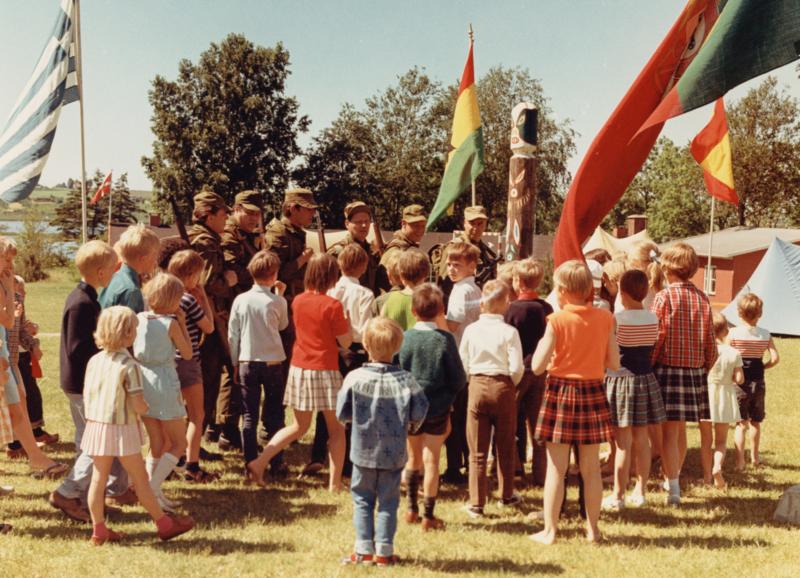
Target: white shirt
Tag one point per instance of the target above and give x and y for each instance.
(257, 315)
(357, 303)
(464, 306)
(727, 361)
(490, 346)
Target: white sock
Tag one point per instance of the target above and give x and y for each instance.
(150, 464)
(164, 468)
(674, 487)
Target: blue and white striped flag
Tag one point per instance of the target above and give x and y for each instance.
(28, 134)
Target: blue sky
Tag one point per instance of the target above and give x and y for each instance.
(585, 52)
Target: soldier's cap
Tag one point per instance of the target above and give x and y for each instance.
(249, 200)
(302, 197)
(210, 199)
(414, 214)
(476, 212)
(355, 207)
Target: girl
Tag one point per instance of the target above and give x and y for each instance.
(6, 434)
(577, 347)
(113, 401)
(187, 266)
(723, 402)
(633, 393)
(314, 378)
(157, 337)
(643, 256)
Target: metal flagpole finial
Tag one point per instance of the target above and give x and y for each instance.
(471, 34)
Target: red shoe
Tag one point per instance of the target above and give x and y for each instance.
(111, 537)
(180, 525)
(429, 524)
(387, 560)
(355, 559)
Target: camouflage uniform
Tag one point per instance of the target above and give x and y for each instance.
(401, 242)
(487, 262)
(375, 277)
(239, 246)
(288, 243)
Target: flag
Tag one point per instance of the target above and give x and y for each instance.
(103, 190)
(465, 161)
(618, 152)
(711, 148)
(26, 139)
(750, 38)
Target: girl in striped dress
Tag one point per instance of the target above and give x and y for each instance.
(633, 393)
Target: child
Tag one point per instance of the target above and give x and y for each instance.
(187, 265)
(596, 269)
(633, 393)
(684, 351)
(414, 268)
(751, 341)
(113, 402)
(393, 274)
(314, 377)
(723, 403)
(644, 257)
(356, 300)
(6, 433)
(464, 304)
(383, 402)
(431, 355)
(505, 273)
(96, 261)
(138, 247)
(528, 314)
(492, 356)
(577, 347)
(257, 318)
(161, 331)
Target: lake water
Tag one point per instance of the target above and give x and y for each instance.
(16, 227)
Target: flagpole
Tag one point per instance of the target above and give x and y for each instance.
(110, 200)
(79, 73)
(707, 282)
(471, 42)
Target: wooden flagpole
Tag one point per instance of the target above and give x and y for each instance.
(471, 42)
(79, 73)
(707, 280)
(110, 200)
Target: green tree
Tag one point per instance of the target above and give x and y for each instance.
(37, 250)
(224, 123)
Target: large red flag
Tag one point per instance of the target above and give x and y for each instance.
(105, 189)
(618, 152)
(711, 148)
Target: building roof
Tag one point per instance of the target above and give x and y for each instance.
(729, 243)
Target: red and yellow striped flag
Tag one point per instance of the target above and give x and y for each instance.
(465, 161)
(711, 148)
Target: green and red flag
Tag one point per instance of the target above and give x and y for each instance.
(465, 161)
(711, 148)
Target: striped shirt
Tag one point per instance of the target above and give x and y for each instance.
(111, 377)
(194, 313)
(637, 331)
(685, 333)
(750, 341)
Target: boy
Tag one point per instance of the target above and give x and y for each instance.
(96, 262)
(414, 268)
(751, 341)
(393, 274)
(463, 307)
(138, 247)
(431, 355)
(257, 318)
(381, 401)
(528, 314)
(492, 356)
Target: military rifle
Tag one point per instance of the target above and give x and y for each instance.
(323, 245)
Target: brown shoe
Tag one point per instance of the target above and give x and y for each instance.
(126, 499)
(429, 524)
(17, 454)
(47, 439)
(412, 517)
(180, 525)
(70, 506)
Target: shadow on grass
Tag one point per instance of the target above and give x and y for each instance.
(461, 566)
(716, 542)
(219, 546)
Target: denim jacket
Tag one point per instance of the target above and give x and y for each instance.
(383, 402)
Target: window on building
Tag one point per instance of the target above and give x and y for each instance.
(710, 280)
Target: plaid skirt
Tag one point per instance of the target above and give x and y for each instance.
(574, 411)
(684, 391)
(635, 400)
(312, 389)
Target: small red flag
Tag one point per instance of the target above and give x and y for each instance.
(711, 148)
(105, 189)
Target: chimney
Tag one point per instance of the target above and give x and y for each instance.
(155, 220)
(636, 224)
(620, 232)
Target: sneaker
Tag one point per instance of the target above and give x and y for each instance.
(611, 504)
(512, 502)
(636, 501)
(429, 524)
(387, 560)
(71, 507)
(474, 512)
(357, 559)
(6, 490)
(673, 500)
(180, 525)
(412, 517)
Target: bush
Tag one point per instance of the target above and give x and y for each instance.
(37, 250)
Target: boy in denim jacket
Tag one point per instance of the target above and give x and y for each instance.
(382, 401)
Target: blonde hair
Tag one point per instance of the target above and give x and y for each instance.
(163, 292)
(495, 296)
(750, 307)
(392, 265)
(529, 272)
(93, 255)
(352, 259)
(465, 252)
(322, 272)
(116, 328)
(575, 278)
(681, 260)
(644, 256)
(263, 265)
(427, 301)
(185, 263)
(614, 270)
(7, 245)
(414, 266)
(137, 241)
(505, 273)
(720, 325)
(382, 338)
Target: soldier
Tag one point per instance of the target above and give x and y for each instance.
(209, 216)
(242, 238)
(357, 221)
(412, 229)
(475, 220)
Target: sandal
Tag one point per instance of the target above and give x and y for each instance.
(51, 472)
(201, 476)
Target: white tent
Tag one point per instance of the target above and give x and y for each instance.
(602, 240)
(777, 281)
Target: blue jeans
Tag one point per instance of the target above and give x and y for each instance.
(253, 375)
(368, 486)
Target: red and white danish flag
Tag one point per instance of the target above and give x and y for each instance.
(105, 189)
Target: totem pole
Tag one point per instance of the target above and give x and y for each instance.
(522, 182)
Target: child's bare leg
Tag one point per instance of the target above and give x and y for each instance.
(166, 447)
(670, 453)
(656, 435)
(23, 432)
(134, 465)
(557, 461)
(720, 447)
(193, 396)
(739, 440)
(336, 448)
(155, 435)
(682, 445)
(622, 461)
(175, 436)
(592, 488)
(706, 451)
(641, 449)
(285, 436)
(755, 442)
(431, 455)
(101, 467)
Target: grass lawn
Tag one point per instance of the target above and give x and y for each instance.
(297, 529)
